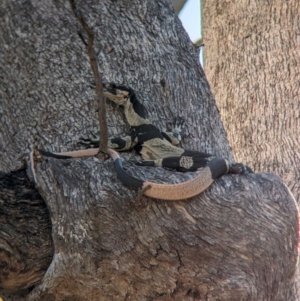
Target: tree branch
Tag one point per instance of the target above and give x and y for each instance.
(100, 99)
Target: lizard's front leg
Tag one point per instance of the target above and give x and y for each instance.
(117, 143)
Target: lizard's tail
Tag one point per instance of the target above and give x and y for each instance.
(173, 192)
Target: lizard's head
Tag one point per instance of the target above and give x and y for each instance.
(119, 94)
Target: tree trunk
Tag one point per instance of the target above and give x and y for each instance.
(236, 241)
(252, 60)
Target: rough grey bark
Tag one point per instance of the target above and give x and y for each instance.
(46, 97)
(252, 61)
(236, 241)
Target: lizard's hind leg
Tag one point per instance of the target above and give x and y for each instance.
(175, 136)
(188, 161)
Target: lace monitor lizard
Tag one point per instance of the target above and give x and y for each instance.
(157, 149)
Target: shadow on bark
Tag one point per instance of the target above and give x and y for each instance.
(26, 248)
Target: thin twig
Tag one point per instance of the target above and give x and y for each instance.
(99, 89)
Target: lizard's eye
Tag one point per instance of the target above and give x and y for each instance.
(125, 94)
